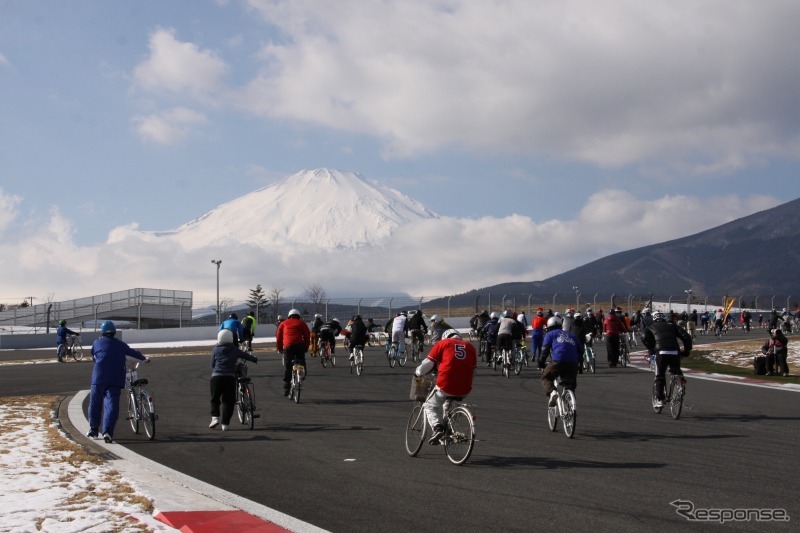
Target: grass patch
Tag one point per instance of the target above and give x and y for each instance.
(698, 360)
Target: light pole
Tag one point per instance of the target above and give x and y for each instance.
(688, 299)
(217, 262)
(577, 298)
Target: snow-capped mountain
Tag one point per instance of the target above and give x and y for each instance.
(318, 208)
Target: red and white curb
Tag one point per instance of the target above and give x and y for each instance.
(186, 503)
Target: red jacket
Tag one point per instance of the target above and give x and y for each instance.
(293, 331)
(612, 325)
(539, 322)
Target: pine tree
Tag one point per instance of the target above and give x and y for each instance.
(258, 300)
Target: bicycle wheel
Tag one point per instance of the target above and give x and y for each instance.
(352, 364)
(552, 417)
(656, 408)
(148, 415)
(296, 387)
(133, 417)
(460, 438)
(570, 413)
(359, 360)
(250, 402)
(370, 340)
(518, 359)
(415, 430)
(676, 398)
(402, 357)
(623, 357)
(494, 360)
(414, 351)
(77, 352)
(333, 359)
(392, 356)
(323, 357)
(592, 364)
(240, 403)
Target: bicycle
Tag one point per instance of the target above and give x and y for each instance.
(484, 350)
(473, 334)
(325, 355)
(589, 362)
(298, 375)
(141, 407)
(624, 355)
(396, 356)
(505, 357)
(520, 357)
(416, 348)
(459, 422)
(376, 338)
(357, 361)
(676, 390)
(245, 396)
(565, 409)
(71, 347)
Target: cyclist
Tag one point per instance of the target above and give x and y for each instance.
(108, 380)
(456, 360)
(573, 323)
(61, 337)
(233, 324)
(508, 329)
(329, 331)
(661, 338)
(537, 333)
(613, 328)
(719, 318)
(565, 351)
(293, 338)
(249, 329)
(358, 334)
(418, 328)
(371, 325)
(315, 327)
(399, 330)
(438, 327)
(223, 377)
(490, 334)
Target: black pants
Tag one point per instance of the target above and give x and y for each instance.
(223, 390)
(612, 347)
(568, 372)
(296, 352)
(662, 362)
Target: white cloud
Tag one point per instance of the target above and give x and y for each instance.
(169, 127)
(4, 61)
(179, 68)
(609, 83)
(434, 257)
(8, 208)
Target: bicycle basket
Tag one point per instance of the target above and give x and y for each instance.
(420, 388)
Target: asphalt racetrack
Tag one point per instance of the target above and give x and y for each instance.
(338, 461)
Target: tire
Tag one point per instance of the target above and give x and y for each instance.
(77, 352)
(676, 399)
(623, 358)
(249, 399)
(132, 418)
(494, 360)
(571, 413)
(517, 367)
(352, 365)
(370, 340)
(655, 398)
(402, 358)
(392, 356)
(240, 404)
(460, 440)
(296, 388)
(360, 368)
(552, 417)
(323, 359)
(148, 415)
(333, 359)
(415, 430)
(593, 364)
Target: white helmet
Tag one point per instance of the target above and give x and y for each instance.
(493, 315)
(554, 322)
(436, 318)
(225, 336)
(317, 315)
(451, 333)
(294, 312)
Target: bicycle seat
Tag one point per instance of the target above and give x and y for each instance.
(138, 382)
(241, 379)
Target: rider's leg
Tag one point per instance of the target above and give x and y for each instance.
(662, 361)
(434, 412)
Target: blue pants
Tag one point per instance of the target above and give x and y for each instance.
(105, 398)
(537, 339)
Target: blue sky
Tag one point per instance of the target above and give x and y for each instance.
(153, 112)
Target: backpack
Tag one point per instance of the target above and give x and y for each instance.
(760, 365)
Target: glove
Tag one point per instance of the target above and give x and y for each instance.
(147, 360)
(255, 359)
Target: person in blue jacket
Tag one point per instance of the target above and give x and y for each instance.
(108, 379)
(565, 349)
(61, 338)
(233, 324)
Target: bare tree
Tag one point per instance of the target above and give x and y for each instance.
(224, 303)
(317, 295)
(275, 298)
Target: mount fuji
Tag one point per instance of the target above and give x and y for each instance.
(320, 208)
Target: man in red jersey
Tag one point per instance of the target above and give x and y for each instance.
(294, 337)
(456, 360)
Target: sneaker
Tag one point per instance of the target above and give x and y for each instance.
(553, 399)
(214, 422)
(659, 403)
(224, 427)
(93, 434)
(286, 391)
(107, 438)
(438, 433)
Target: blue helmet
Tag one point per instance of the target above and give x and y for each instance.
(108, 328)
